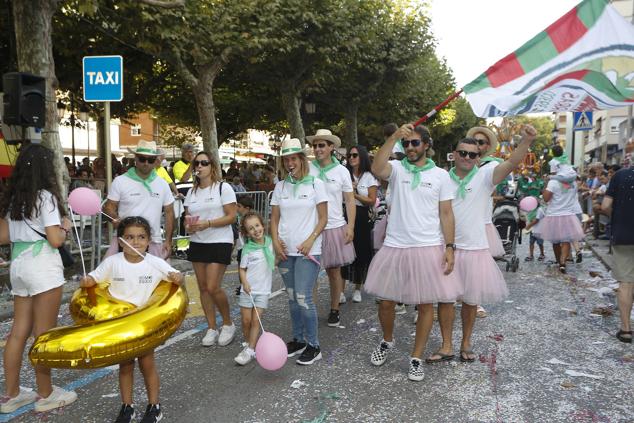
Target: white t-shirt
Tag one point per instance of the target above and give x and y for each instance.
(132, 282)
(556, 167)
(488, 214)
(470, 210)
(414, 214)
(298, 213)
(337, 182)
(46, 214)
(135, 200)
(564, 201)
(207, 203)
(364, 183)
(259, 275)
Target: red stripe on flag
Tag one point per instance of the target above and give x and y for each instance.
(5, 171)
(566, 30)
(504, 71)
(571, 75)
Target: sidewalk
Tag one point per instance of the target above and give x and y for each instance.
(601, 249)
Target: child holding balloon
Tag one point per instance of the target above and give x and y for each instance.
(133, 276)
(256, 275)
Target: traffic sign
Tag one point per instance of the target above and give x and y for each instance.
(582, 121)
(450, 157)
(103, 78)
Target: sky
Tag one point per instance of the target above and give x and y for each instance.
(474, 34)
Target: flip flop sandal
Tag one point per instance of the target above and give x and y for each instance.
(464, 356)
(441, 357)
(626, 339)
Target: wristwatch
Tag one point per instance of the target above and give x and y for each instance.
(452, 246)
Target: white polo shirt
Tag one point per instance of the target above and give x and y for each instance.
(207, 203)
(337, 182)
(414, 213)
(364, 183)
(135, 200)
(259, 274)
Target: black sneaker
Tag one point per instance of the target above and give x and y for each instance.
(309, 356)
(333, 318)
(295, 347)
(152, 414)
(238, 289)
(126, 414)
(579, 257)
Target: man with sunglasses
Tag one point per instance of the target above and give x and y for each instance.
(141, 192)
(480, 278)
(413, 266)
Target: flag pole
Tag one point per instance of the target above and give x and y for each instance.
(437, 108)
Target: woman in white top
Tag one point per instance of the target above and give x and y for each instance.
(338, 249)
(299, 214)
(365, 187)
(30, 207)
(211, 204)
(560, 225)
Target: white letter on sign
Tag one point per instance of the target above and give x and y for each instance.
(99, 79)
(90, 77)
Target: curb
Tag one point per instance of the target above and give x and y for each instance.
(599, 257)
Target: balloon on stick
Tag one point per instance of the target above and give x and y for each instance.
(528, 204)
(270, 351)
(84, 201)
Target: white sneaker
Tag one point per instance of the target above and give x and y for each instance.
(58, 398)
(245, 356)
(23, 398)
(210, 338)
(415, 372)
(342, 298)
(356, 297)
(379, 355)
(400, 309)
(227, 333)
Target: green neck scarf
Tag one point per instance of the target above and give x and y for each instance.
(323, 170)
(416, 170)
(308, 179)
(131, 173)
(488, 159)
(462, 183)
(531, 215)
(20, 246)
(563, 159)
(251, 246)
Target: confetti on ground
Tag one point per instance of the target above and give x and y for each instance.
(575, 373)
(557, 361)
(297, 384)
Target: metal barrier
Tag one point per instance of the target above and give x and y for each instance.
(260, 202)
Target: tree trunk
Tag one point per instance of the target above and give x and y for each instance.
(350, 132)
(33, 20)
(203, 94)
(290, 104)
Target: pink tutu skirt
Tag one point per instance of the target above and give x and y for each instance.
(557, 229)
(480, 277)
(334, 250)
(378, 233)
(412, 276)
(495, 242)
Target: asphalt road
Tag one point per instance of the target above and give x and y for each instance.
(545, 355)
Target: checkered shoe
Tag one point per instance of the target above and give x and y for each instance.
(379, 355)
(415, 372)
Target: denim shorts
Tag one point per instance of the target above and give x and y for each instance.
(534, 239)
(260, 300)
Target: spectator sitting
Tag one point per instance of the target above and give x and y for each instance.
(233, 170)
(237, 185)
(83, 179)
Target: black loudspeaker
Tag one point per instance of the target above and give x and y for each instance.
(24, 99)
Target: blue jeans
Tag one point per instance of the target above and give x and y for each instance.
(300, 275)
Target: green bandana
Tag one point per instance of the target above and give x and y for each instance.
(531, 215)
(462, 183)
(251, 246)
(323, 170)
(131, 173)
(308, 179)
(416, 170)
(563, 159)
(20, 246)
(488, 159)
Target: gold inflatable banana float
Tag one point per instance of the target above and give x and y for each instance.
(109, 331)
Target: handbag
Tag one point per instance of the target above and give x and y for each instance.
(67, 258)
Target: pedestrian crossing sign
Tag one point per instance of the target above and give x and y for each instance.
(582, 121)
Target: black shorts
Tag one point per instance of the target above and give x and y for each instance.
(210, 253)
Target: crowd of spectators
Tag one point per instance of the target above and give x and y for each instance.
(593, 186)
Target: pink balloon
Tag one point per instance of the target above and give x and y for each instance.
(270, 351)
(84, 201)
(528, 203)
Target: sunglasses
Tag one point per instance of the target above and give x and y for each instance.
(471, 154)
(203, 163)
(414, 143)
(144, 159)
(482, 142)
(353, 155)
(320, 145)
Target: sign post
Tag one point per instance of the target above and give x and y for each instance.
(103, 82)
(581, 121)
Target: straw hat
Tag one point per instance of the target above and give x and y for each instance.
(146, 148)
(325, 135)
(493, 139)
(291, 146)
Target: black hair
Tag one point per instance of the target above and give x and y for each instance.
(424, 133)
(34, 171)
(364, 160)
(389, 129)
(245, 201)
(133, 221)
(470, 141)
(243, 228)
(558, 151)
